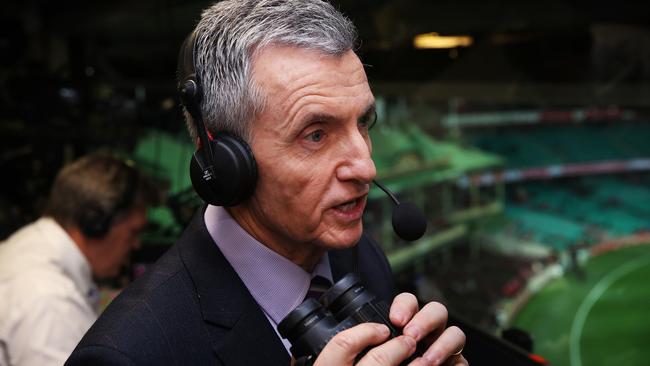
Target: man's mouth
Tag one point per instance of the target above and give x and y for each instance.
(351, 210)
(349, 205)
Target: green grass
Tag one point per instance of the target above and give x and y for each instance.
(603, 319)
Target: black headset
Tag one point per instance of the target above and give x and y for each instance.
(223, 169)
(95, 222)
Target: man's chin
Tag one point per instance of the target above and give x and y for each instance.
(344, 239)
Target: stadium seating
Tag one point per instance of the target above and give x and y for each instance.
(587, 210)
(564, 212)
(548, 145)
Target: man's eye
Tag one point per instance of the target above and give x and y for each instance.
(368, 122)
(316, 136)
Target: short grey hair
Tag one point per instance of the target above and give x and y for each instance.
(229, 35)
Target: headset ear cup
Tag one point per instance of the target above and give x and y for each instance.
(235, 172)
(207, 190)
(94, 223)
(247, 168)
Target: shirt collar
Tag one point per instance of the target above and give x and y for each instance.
(277, 284)
(67, 256)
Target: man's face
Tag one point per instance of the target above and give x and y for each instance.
(312, 149)
(116, 245)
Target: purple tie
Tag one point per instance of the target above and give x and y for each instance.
(317, 287)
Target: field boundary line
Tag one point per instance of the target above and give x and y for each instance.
(590, 300)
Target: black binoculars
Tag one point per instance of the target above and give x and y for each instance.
(313, 323)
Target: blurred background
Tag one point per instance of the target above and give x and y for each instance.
(522, 129)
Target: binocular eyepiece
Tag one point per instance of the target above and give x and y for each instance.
(313, 323)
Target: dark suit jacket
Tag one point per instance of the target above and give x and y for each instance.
(191, 308)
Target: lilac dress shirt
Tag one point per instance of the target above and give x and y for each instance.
(277, 284)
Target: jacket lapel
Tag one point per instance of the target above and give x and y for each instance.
(240, 332)
(249, 344)
(343, 262)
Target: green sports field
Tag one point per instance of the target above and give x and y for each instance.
(601, 319)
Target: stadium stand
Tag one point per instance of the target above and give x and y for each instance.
(550, 145)
(587, 210)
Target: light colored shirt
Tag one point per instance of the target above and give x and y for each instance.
(47, 297)
(277, 284)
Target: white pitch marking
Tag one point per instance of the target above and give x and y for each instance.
(591, 299)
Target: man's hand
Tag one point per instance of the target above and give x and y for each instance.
(426, 326)
(429, 326)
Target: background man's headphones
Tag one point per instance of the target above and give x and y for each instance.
(223, 169)
(95, 222)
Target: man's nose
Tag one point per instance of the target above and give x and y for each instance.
(357, 162)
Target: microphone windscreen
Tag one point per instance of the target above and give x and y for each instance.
(409, 222)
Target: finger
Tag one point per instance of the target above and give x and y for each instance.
(450, 342)
(403, 308)
(344, 347)
(390, 353)
(431, 320)
(457, 360)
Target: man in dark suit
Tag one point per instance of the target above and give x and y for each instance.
(284, 163)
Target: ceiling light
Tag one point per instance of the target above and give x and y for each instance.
(433, 40)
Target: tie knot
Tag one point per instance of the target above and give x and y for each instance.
(317, 287)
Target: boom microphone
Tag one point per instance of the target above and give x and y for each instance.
(409, 222)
